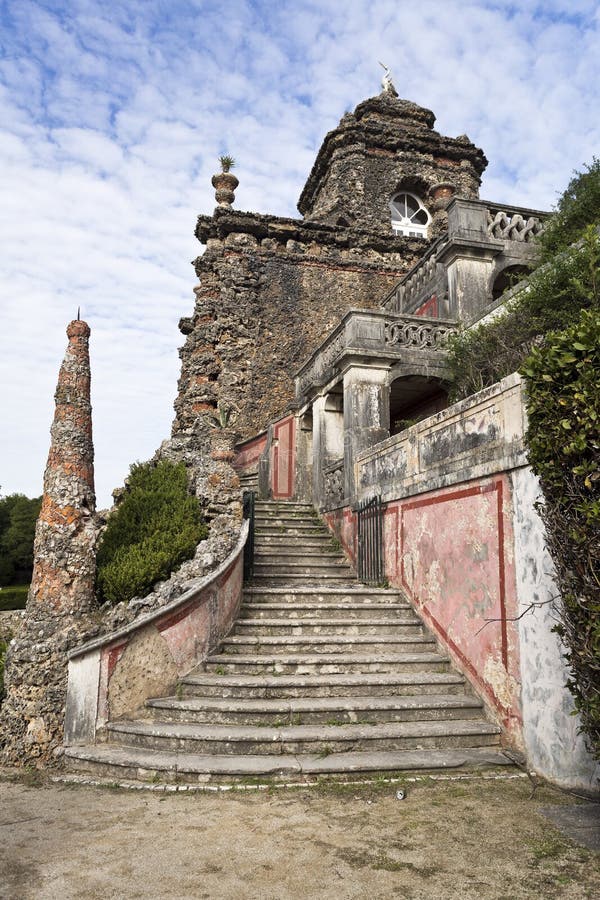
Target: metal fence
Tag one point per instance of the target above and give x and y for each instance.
(370, 541)
(248, 499)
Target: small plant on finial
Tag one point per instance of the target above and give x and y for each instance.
(227, 163)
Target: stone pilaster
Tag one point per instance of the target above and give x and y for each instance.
(62, 588)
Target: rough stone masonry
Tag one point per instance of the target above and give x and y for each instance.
(271, 288)
(57, 616)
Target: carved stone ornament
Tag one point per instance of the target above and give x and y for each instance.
(224, 184)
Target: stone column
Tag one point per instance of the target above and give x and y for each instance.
(469, 257)
(62, 587)
(366, 415)
(328, 439)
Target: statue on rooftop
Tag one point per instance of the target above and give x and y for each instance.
(386, 82)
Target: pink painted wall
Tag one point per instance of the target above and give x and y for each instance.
(248, 453)
(451, 552)
(342, 523)
(191, 631)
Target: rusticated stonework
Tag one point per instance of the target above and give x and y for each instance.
(62, 588)
(271, 288)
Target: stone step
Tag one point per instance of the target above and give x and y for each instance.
(389, 612)
(313, 711)
(312, 568)
(283, 504)
(330, 626)
(350, 593)
(137, 763)
(207, 684)
(304, 554)
(325, 643)
(281, 539)
(292, 579)
(248, 739)
(297, 528)
(325, 663)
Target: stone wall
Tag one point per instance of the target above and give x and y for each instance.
(464, 542)
(270, 289)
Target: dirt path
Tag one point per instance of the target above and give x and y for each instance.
(448, 839)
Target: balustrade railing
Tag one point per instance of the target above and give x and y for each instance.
(333, 484)
(513, 224)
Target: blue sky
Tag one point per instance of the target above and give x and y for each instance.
(113, 115)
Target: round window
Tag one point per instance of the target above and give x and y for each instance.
(409, 216)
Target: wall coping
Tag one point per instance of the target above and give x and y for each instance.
(161, 611)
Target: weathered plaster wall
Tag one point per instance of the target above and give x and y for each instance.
(463, 540)
(112, 676)
(452, 553)
(549, 727)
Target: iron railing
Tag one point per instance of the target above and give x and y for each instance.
(248, 498)
(370, 541)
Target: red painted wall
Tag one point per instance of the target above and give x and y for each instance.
(248, 453)
(428, 308)
(451, 552)
(283, 462)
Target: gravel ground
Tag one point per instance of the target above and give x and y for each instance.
(469, 838)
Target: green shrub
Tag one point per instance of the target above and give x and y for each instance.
(563, 437)
(157, 526)
(553, 296)
(13, 597)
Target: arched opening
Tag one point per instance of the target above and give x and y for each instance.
(409, 216)
(507, 278)
(413, 398)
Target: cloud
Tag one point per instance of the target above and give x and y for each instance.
(112, 119)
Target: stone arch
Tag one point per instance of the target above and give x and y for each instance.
(505, 277)
(414, 397)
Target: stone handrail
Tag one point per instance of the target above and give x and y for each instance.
(427, 271)
(115, 673)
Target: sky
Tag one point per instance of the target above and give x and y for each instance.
(113, 115)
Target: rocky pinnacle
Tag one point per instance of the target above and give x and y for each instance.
(62, 587)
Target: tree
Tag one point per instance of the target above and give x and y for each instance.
(18, 515)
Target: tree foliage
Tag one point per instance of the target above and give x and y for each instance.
(563, 437)
(18, 515)
(550, 298)
(566, 280)
(578, 207)
(157, 526)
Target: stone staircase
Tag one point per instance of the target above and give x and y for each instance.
(319, 676)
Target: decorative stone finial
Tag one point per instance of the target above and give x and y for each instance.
(386, 82)
(225, 183)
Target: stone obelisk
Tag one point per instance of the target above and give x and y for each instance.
(62, 586)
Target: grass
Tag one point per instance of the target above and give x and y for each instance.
(13, 597)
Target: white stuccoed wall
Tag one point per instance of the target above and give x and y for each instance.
(554, 748)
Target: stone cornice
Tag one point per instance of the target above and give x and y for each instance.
(225, 222)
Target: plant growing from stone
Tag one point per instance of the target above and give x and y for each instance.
(156, 526)
(227, 163)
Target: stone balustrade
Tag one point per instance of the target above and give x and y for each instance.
(371, 334)
(506, 223)
(333, 484)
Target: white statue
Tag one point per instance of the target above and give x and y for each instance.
(386, 82)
